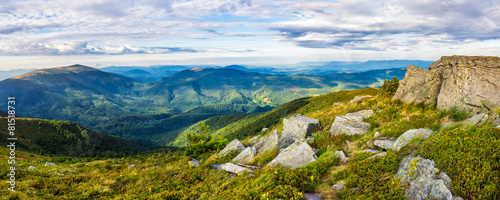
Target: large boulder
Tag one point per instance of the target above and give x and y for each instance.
(477, 119)
(351, 123)
(300, 126)
(230, 167)
(384, 144)
(466, 82)
(404, 139)
(267, 143)
(297, 155)
(245, 156)
(425, 181)
(234, 145)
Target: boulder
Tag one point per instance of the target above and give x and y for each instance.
(477, 119)
(285, 141)
(253, 139)
(31, 167)
(371, 151)
(194, 162)
(267, 143)
(230, 167)
(384, 144)
(409, 135)
(338, 186)
(421, 175)
(48, 164)
(465, 82)
(376, 135)
(245, 156)
(297, 155)
(234, 145)
(351, 123)
(300, 126)
(342, 156)
(359, 98)
(377, 155)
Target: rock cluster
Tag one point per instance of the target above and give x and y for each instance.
(467, 82)
(351, 123)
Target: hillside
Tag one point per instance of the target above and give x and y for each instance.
(63, 138)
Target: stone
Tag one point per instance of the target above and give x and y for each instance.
(234, 145)
(312, 196)
(342, 156)
(17, 164)
(245, 156)
(422, 179)
(286, 140)
(498, 126)
(376, 135)
(476, 119)
(31, 167)
(446, 124)
(404, 139)
(446, 179)
(377, 155)
(300, 126)
(338, 104)
(351, 123)
(465, 82)
(297, 155)
(264, 129)
(131, 166)
(384, 144)
(49, 163)
(194, 162)
(230, 167)
(371, 151)
(495, 118)
(338, 186)
(458, 198)
(359, 98)
(267, 143)
(348, 144)
(175, 176)
(254, 138)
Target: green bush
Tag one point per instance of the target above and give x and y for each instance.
(470, 157)
(201, 143)
(389, 88)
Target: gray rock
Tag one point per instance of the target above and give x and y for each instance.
(194, 162)
(338, 186)
(495, 118)
(377, 155)
(254, 138)
(423, 181)
(355, 188)
(376, 135)
(351, 123)
(342, 156)
(130, 166)
(286, 140)
(446, 124)
(476, 119)
(465, 82)
(245, 156)
(359, 98)
(458, 198)
(17, 164)
(267, 143)
(498, 126)
(297, 155)
(230, 167)
(409, 135)
(446, 179)
(300, 126)
(371, 151)
(234, 145)
(338, 104)
(49, 163)
(175, 176)
(348, 144)
(31, 167)
(264, 129)
(312, 196)
(384, 144)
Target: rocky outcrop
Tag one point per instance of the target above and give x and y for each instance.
(359, 98)
(351, 123)
(467, 82)
(300, 126)
(404, 139)
(297, 155)
(230, 167)
(267, 143)
(423, 179)
(384, 144)
(234, 145)
(245, 156)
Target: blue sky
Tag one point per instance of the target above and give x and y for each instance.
(98, 33)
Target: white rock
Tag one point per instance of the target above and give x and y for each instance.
(404, 139)
(384, 144)
(359, 98)
(300, 126)
(378, 155)
(245, 156)
(371, 151)
(234, 145)
(297, 155)
(230, 167)
(194, 162)
(376, 135)
(338, 186)
(31, 167)
(49, 163)
(342, 156)
(267, 143)
(476, 119)
(130, 166)
(351, 123)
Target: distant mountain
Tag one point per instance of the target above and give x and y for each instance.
(145, 74)
(11, 73)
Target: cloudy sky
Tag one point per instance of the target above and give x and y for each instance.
(50, 33)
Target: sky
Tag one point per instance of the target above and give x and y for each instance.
(99, 33)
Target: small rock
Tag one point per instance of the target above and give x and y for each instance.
(175, 176)
(264, 129)
(230, 167)
(130, 166)
(194, 162)
(371, 151)
(384, 144)
(376, 135)
(297, 155)
(378, 155)
(476, 119)
(338, 186)
(498, 126)
(446, 124)
(338, 104)
(355, 189)
(359, 98)
(348, 144)
(31, 167)
(245, 156)
(300, 126)
(342, 156)
(312, 196)
(408, 136)
(234, 145)
(49, 163)
(17, 164)
(458, 198)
